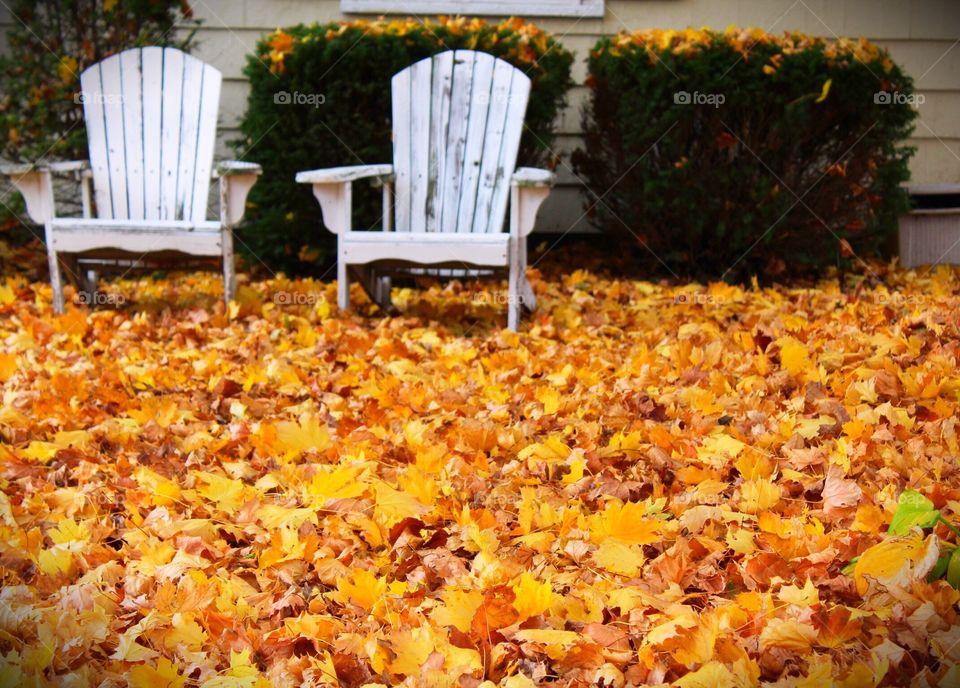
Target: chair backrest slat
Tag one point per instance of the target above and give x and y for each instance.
(171, 106)
(508, 103)
(93, 111)
(132, 113)
(151, 116)
(457, 134)
(473, 151)
(440, 101)
(206, 140)
(402, 139)
(457, 120)
(116, 145)
(152, 65)
(416, 117)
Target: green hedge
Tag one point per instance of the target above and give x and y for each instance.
(739, 153)
(338, 80)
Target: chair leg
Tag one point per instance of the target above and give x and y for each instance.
(56, 277)
(343, 284)
(514, 297)
(529, 299)
(384, 285)
(89, 279)
(229, 269)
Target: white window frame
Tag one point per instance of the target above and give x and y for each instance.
(533, 8)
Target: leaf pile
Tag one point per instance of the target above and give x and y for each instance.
(649, 485)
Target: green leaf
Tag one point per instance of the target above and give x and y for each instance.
(953, 569)
(940, 568)
(848, 569)
(913, 510)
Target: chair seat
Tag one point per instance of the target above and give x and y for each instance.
(78, 235)
(437, 249)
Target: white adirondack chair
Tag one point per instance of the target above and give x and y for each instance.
(457, 120)
(151, 116)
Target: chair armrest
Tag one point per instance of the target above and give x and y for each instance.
(64, 166)
(35, 183)
(58, 167)
(333, 189)
(529, 189)
(236, 179)
(230, 168)
(338, 175)
(532, 176)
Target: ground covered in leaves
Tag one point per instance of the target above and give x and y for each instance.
(648, 485)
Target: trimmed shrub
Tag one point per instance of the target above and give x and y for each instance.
(738, 153)
(320, 97)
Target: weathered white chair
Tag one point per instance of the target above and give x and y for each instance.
(457, 120)
(151, 116)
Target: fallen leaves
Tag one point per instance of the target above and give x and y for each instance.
(638, 490)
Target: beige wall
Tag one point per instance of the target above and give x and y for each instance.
(922, 35)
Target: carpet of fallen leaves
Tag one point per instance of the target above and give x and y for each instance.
(649, 485)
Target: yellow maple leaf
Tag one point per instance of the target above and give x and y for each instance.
(788, 634)
(39, 451)
(550, 398)
(393, 505)
(617, 557)
(163, 491)
(553, 449)
(184, 632)
(228, 494)
(128, 649)
(711, 675)
(897, 562)
(163, 410)
(794, 357)
(626, 523)
(306, 435)
(458, 609)
(165, 674)
(419, 484)
(532, 597)
(8, 366)
(241, 674)
(758, 495)
(327, 484)
(412, 648)
(55, 560)
(556, 644)
(69, 530)
(363, 588)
